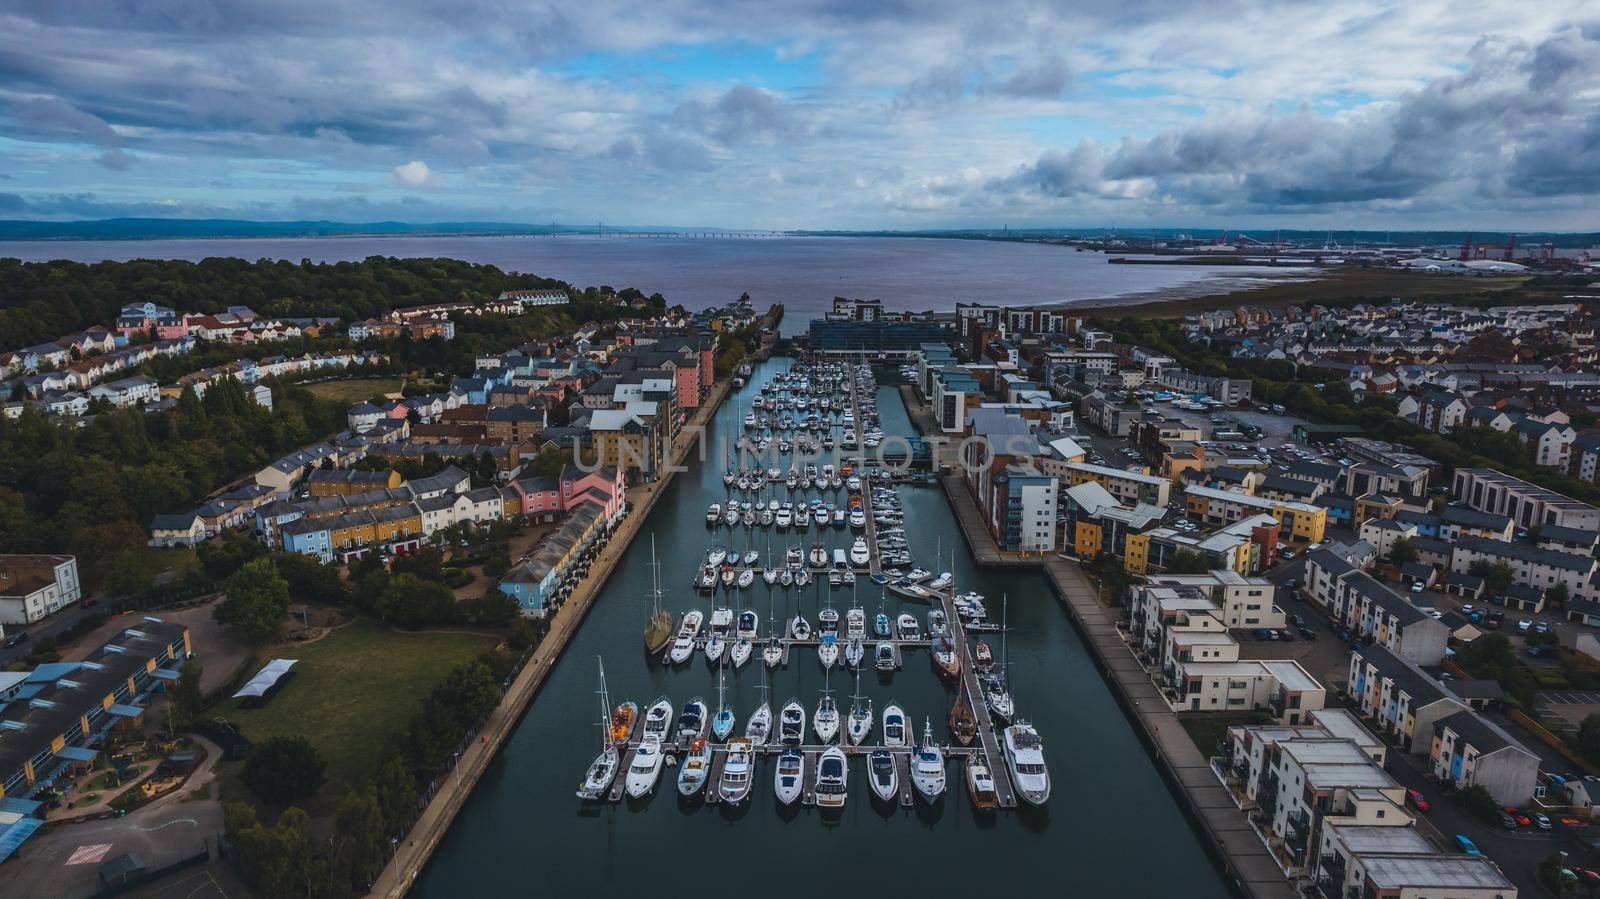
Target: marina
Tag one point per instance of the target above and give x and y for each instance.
(1088, 744)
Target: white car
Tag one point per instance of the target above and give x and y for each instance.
(1523, 626)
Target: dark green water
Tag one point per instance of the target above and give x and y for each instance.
(1111, 827)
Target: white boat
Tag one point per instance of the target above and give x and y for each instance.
(927, 765)
(645, 769)
(918, 575)
(787, 780)
(740, 652)
(603, 770)
(752, 557)
(1025, 759)
(905, 628)
(855, 624)
(859, 554)
(819, 555)
(800, 628)
(784, 519)
(715, 646)
(692, 721)
(802, 578)
(696, 768)
(792, 723)
(714, 514)
(759, 726)
(733, 557)
(894, 727)
(786, 577)
(828, 652)
(854, 652)
(682, 649)
(747, 577)
(833, 774)
(716, 556)
(942, 581)
(882, 774)
(826, 719)
(858, 519)
(859, 723)
(772, 653)
(884, 656)
(737, 770)
(770, 576)
(658, 719)
(980, 783)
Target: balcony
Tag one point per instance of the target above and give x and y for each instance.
(1277, 702)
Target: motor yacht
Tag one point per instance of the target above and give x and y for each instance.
(906, 628)
(787, 780)
(792, 723)
(696, 768)
(980, 783)
(927, 765)
(882, 774)
(645, 769)
(832, 786)
(884, 656)
(692, 721)
(894, 727)
(658, 719)
(859, 554)
(942, 581)
(736, 772)
(1025, 759)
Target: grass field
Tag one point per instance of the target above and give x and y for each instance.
(352, 689)
(355, 390)
(1207, 729)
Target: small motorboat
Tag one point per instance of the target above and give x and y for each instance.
(759, 726)
(927, 765)
(696, 768)
(787, 780)
(800, 628)
(658, 720)
(942, 581)
(918, 575)
(906, 628)
(718, 554)
(832, 785)
(692, 721)
(894, 727)
(792, 723)
(749, 625)
(737, 770)
(884, 656)
(982, 657)
(980, 783)
(645, 769)
(882, 774)
(714, 514)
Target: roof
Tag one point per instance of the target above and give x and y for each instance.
(266, 678)
(1394, 872)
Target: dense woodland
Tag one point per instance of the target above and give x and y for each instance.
(40, 301)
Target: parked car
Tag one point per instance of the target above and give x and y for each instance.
(1308, 633)
(16, 639)
(1508, 822)
(1467, 608)
(1518, 816)
(1262, 633)
(1539, 627)
(1466, 845)
(1416, 586)
(1523, 626)
(1286, 554)
(1541, 820)
(1418, 800)
(1298, 619)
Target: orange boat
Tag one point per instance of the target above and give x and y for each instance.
(622, 721)
(962, 724)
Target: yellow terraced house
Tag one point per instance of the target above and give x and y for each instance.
(1301, 522)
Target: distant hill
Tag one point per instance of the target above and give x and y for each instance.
(167, 229)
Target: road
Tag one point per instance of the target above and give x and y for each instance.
(50, 627)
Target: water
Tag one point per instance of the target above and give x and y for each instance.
(803, 273)
(1111, 827)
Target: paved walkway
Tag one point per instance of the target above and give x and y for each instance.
(413, 853)
(1231, 840)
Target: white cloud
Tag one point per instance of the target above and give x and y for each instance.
(414, 174)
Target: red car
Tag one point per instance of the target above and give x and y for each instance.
(1518, 815)
(1418, 800)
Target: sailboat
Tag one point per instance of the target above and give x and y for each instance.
(998, 692)
(758, 727)
(696, 768)
(826, 720)
(927, 765)
(658, 630)
(722, 722)
(963, 725)
(945, 658)
(604, 768)
(859, 724)
(828, 651)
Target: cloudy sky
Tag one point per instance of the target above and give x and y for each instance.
(806, 113)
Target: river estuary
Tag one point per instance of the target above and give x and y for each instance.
(1111, 827)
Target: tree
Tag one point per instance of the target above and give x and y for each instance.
(1186, 562)
(396, 793)
(550, 462)
(256, 603)
(1557, 596)
(1589, 737)
(360, 842)
(186, 699)
(1497, 575)
(1402, 553)
(283, 769)
(128, 575)
(1479, 804)
(310, 578)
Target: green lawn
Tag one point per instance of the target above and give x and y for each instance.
(354, 391)
(1207, 729)
(352, 689)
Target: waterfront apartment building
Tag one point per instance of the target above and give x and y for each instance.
(1246, 546)
(547, 577)
(1022, 512)
(1524, 503)
(1301, 522)
(1128, 487)
(33, 586)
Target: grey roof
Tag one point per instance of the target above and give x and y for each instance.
(1523, 552)
(1423, 689)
